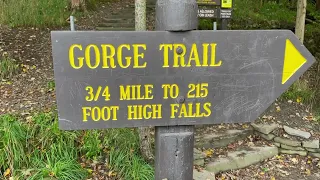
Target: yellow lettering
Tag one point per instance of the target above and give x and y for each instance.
(183, 111)
(165, 90)
(207, 109)
(85, 113)
(88, 56)
(173, 110)
(114, 112)
(146, 114)
(71, 56)
(198, 107)
(124, 93)
(140, 109)
(194, 56)
(174, 93)
(148, 92)
(139, 92)
(179, 56)
(106, 55)
(165, 53)
(213, 56)
(157, 108)
(190, 110)
(95, 114)
(119, 56)
(205, 54)
(103, 113)
(136, 55)
(132, 111)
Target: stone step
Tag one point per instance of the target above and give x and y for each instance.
(123, 14)
(149, 6)
(115, 29)
(242, 158)
(203, 175)
(116, 25)
(221, 139)
(118, 20)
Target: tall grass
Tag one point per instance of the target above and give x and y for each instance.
(8, 67)
(124, 155)
(39, 13)
(38, 149)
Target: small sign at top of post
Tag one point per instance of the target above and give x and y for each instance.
(209, 2)
(215, 9)
(226, 4)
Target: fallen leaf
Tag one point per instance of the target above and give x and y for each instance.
(309, 162)
(209, 152)
(299, 99)
(278, 109)
(7, 172)
(308, 172)
(295, 160)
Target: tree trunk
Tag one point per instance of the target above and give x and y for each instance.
(145, 143)
(301, 17)
(318, 5)
(144, 132)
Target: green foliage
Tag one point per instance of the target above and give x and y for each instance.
(12, 142)
(299, 91)
(51, 85)
(124, 154)
(37, 149)
(8, 67)
(249, 14)
(58, 162)
(92, 144)
(34, 12)
(130, 165)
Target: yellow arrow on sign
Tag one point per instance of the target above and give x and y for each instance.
(293, 61)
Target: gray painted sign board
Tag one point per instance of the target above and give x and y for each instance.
(251, 69)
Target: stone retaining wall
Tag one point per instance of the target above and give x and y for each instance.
(289, 140)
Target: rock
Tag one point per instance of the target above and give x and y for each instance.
(216, 140)
(198, 154)
(292, 148)
(313, 150)
(241, 159)
(317, 155)
(265, 128)
(297, 132)
(288, 142)
(277, 144)
(292, 152)
(268, 137)
(199, 162)
(311, 144)
(203, 175)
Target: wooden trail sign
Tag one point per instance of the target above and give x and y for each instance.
(160, 78)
